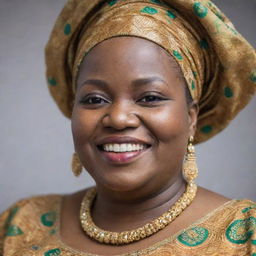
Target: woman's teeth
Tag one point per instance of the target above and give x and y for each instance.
(124, 147)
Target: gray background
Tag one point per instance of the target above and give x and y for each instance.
(36, 143)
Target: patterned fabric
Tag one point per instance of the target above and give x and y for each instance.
(218, 64)
(31, 227)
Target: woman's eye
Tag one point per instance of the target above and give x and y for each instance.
(151, 98)
(93, 100)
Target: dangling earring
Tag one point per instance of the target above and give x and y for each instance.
(190, 169)
(76, 165)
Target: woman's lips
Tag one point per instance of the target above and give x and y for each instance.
(121, 149)
(121, 157)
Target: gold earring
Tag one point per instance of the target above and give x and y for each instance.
(190, 169)
(76, 165)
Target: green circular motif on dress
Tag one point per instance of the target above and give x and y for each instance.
(52, 81)
(254, 254)
(177, 55)
(53, 252)
(171, 14)
(48, 219)
(11, 216)
(253, 76)
(240, 231)
(194, 236)
(67, 29)
(149, 10)
(52, 232)
(206, 129)
(200, 10)
(112, 2)
(228, 92)
(14, 230)
(35, 247)
(253, 206)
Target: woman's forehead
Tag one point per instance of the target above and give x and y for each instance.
(129, 64)
(138, 54)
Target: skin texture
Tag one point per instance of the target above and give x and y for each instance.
(131, 87)
(124, 110)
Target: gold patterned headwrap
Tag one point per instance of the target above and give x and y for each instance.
(217, 63)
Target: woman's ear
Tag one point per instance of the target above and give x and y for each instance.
(193, 110)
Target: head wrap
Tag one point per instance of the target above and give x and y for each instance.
(218, 64)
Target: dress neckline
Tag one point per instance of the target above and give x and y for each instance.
(139, 252)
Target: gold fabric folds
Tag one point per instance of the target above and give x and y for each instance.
(161, 25)
(218, 64)
(32, 227)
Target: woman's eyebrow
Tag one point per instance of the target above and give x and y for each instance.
(137, 82)
(97, 82)
(148, 80)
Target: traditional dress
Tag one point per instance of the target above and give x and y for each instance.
(219, 67)
(31, 227)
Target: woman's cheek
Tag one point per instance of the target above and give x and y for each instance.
(80, 126)
(168, 123)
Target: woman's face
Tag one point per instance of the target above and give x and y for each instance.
(131, 121)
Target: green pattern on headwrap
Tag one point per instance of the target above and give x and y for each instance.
(149, 10)
(204, 44)
(156, 2)
(67, 29)
(177, 55)
(253, 76)
(201, 35)
(206, 129)
(52, 81)
(228, 92)
(112, 2)
(193, 86)
(171, 14)
(200, 10)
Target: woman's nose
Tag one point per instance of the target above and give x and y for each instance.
(120, 116)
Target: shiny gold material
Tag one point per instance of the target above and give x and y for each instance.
(126, 237)
(76, 165)
(197, 34)
(35, 239)
(190, 169)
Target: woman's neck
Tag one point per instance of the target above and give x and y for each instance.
(114, 214)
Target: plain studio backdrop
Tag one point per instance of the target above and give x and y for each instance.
(36, 144)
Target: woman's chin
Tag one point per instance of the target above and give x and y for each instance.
(123, 184)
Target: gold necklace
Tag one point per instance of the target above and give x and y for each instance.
(126, 237)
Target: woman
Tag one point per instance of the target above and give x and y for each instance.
(140, 80)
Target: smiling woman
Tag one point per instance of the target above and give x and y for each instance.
(142, 81)
(134, 102)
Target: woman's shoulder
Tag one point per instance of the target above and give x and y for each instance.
(37, 202)
(29, 214)
(31, 206)
(216, 203)
(43, 206)
(224, 211)
(247, 205)
(234, 209)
